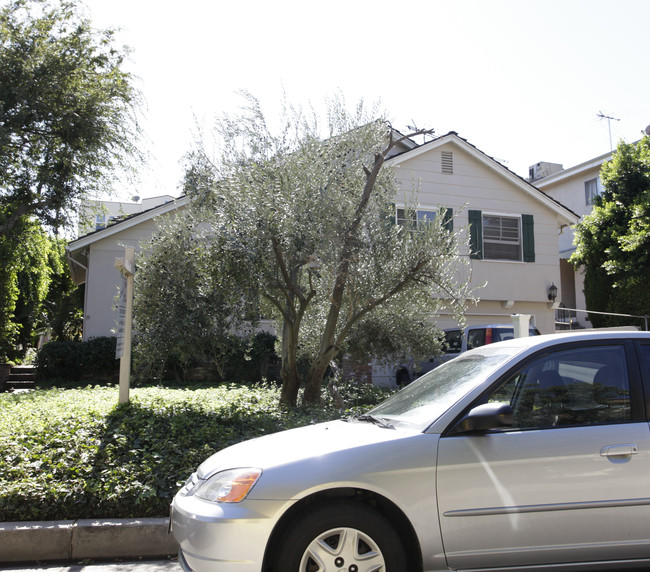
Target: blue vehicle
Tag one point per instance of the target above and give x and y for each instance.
(457, 341)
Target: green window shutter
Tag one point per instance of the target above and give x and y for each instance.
(475, 234)
(448, 219)
(528, 236)
(389, 216)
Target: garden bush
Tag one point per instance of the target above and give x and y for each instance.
(74, 360)
(76, 453)
(241, 360)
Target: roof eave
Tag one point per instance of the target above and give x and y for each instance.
(565, 213)
(133, 220)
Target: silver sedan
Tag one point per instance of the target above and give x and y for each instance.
(522, 455)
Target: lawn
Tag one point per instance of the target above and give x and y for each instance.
(76, 453)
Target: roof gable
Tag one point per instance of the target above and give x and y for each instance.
(493, 165)
(126, 223)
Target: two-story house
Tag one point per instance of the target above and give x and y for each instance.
(576, 187)
(511, 225)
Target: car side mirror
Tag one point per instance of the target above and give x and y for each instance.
(485, 417)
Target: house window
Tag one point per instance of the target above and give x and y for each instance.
(413, 219)
(501, 237)
(447, 160)
(498, 237)
(102, 221)
(593, 189)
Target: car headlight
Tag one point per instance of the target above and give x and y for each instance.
(228, 486)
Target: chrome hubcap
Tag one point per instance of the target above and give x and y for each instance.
(342, 549)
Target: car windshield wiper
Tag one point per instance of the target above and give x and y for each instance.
(376, 420)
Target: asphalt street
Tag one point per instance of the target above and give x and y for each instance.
(135, 566)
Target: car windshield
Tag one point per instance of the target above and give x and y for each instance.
(422, 402)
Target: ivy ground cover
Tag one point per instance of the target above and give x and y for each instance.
(75, 453)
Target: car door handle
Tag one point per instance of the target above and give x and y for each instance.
(619, 450)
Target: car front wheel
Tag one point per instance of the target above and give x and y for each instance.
(341, 537)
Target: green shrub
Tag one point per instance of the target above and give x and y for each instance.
(75, 453)
(74, 360)
(240, 360)
(253, 361)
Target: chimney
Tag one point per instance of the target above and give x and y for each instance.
(543, 169)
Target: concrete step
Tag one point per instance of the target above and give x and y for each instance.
(21, 377)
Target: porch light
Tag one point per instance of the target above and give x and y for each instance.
(552, 292)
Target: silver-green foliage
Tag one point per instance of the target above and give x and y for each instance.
(303, 222)
(185, 305)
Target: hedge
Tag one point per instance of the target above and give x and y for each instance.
(75, 453)
(75, 360)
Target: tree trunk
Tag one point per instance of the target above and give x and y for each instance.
(315, 376)
(290, 375)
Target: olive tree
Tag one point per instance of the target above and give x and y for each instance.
(303, 224)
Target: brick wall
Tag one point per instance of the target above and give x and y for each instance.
(361, 372)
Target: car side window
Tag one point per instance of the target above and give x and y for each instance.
(581, 386)
(453, 342)
(475, 338)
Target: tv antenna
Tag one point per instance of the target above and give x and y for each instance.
(609, 126)
(413, 127)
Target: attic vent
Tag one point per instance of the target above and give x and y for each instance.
(447, 158)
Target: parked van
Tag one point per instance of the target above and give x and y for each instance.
(457, 341)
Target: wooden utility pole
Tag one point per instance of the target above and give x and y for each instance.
(126, 266)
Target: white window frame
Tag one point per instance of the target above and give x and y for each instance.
(502, 240)
(593, 189)
(422, 215)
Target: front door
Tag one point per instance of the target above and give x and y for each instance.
(569, 482)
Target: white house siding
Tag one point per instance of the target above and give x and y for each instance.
(479, 187)
(92, 260)
(104, 280)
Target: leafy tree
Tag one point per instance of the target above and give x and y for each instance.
(33, 282)
(185, 309)
(67, 111)
(63, 306)
(613, 241)
(302, 222)
(8, 296)
(36, 291)
(24, 288)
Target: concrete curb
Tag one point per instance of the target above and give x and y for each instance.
(85, 539)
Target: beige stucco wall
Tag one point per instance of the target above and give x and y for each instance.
(570, 191)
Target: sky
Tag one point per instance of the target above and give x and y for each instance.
(523, 80)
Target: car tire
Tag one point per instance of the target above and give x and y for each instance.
(340, 536)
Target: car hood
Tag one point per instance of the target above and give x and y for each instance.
(299, 445)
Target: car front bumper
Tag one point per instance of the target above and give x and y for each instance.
(223, 537)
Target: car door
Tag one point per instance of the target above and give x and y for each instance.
(569, 482)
